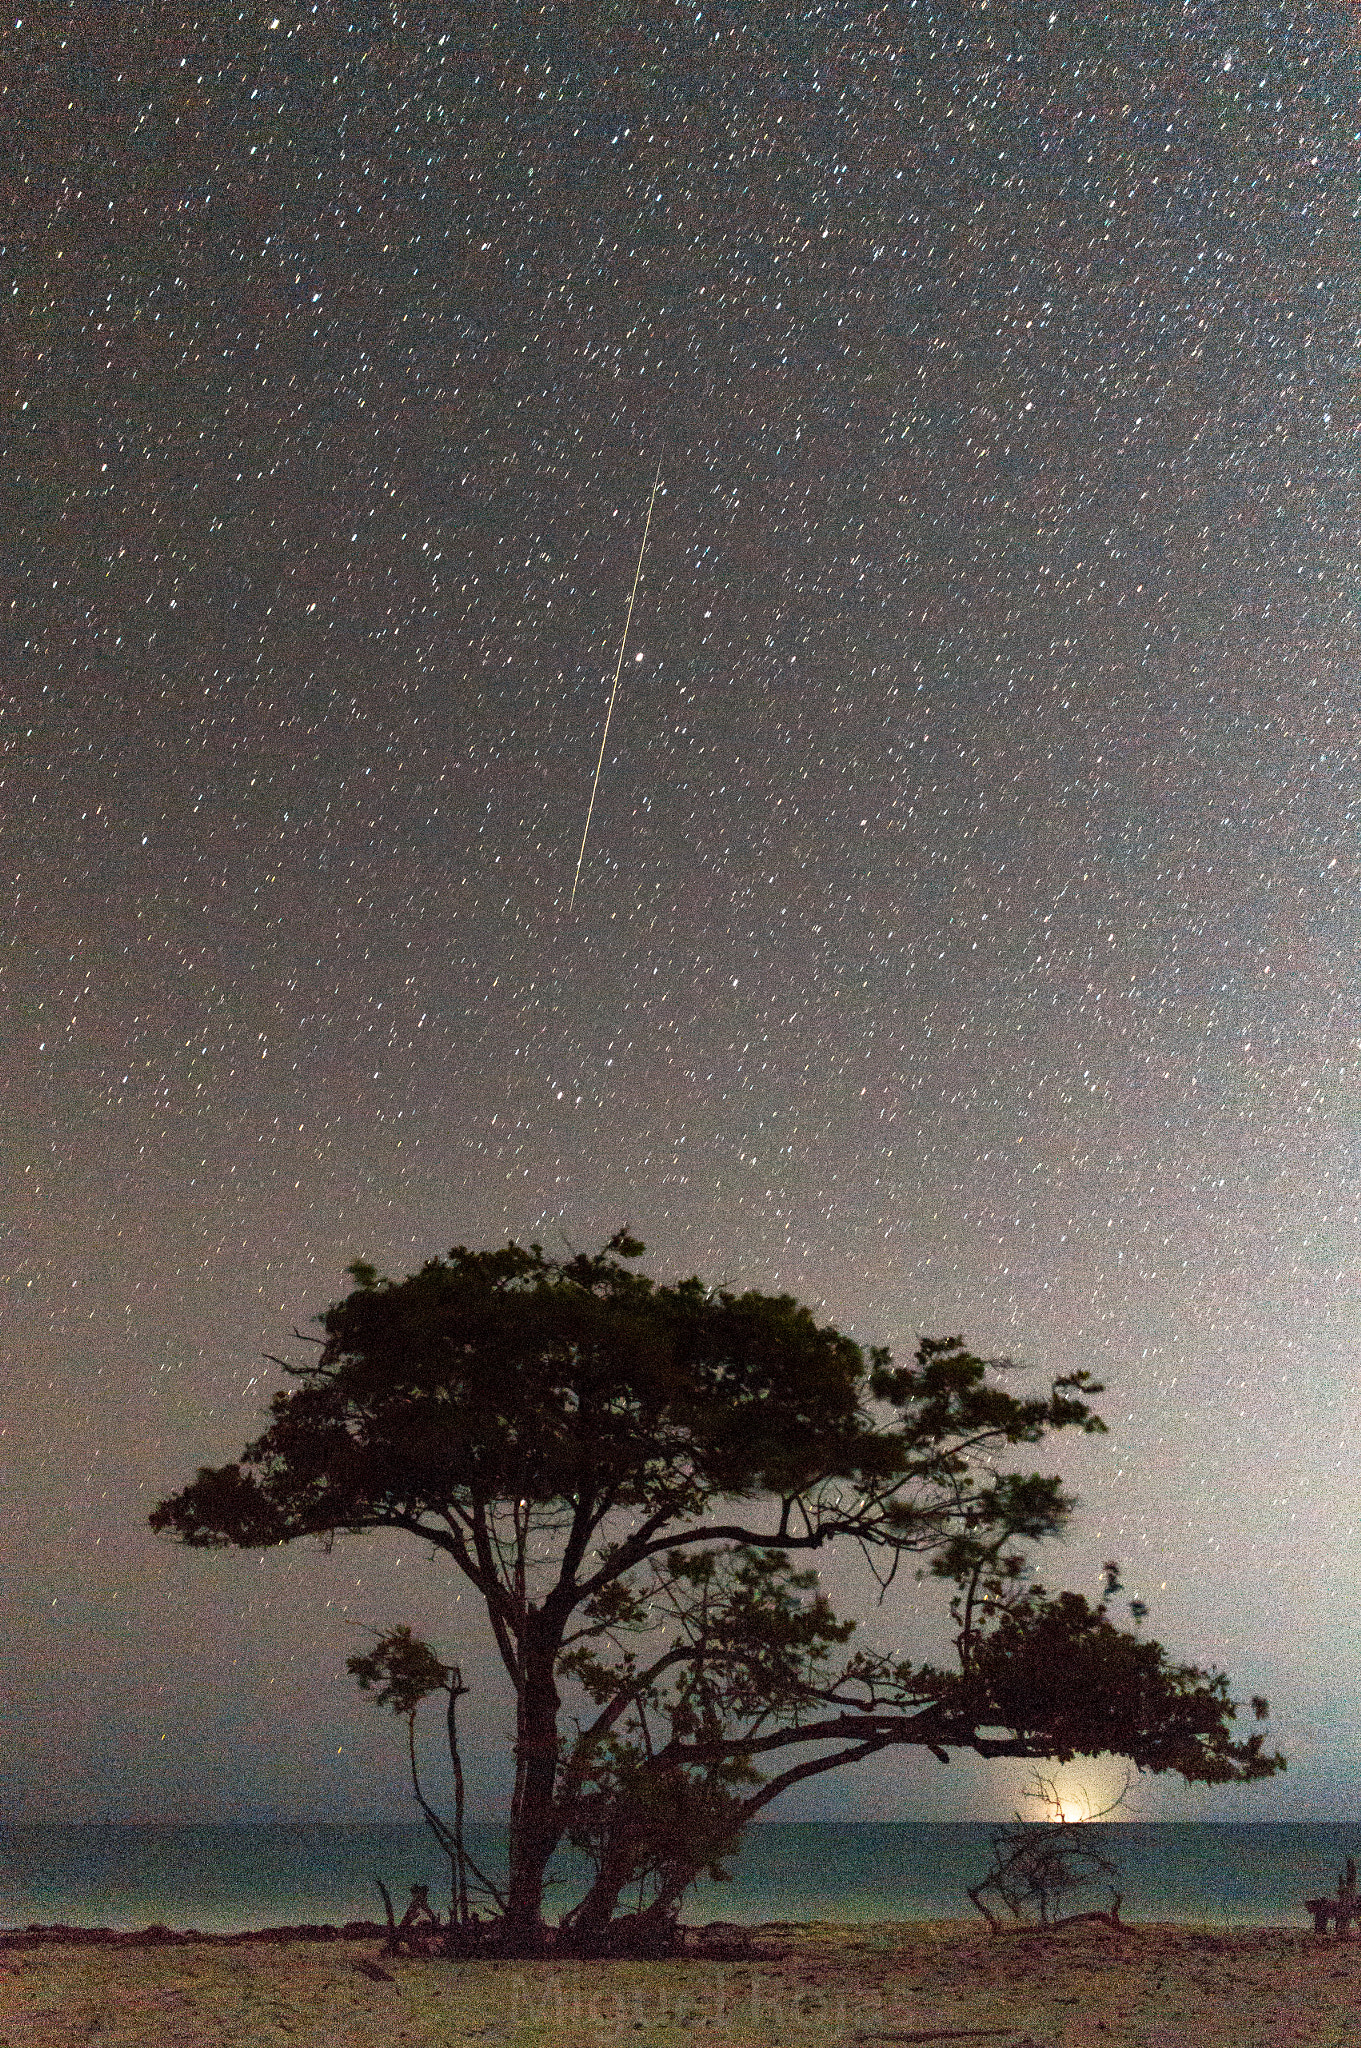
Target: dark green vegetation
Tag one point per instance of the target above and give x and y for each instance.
(630, 1475)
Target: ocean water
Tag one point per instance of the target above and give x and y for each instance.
(222, 1879)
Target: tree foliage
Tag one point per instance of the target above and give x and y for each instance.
(631, 1476)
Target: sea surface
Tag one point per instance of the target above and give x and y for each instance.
(222, 1879)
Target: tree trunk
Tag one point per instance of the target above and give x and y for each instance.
(459, 1903)
(675, 1884)
(533, 1824)
(587, 1922)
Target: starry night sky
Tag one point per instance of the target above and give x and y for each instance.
(968, 933)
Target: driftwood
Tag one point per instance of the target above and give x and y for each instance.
(410, 1932)
(1107, 1919)
(374, 1970)
(1037, 1866)
(1342, 1911)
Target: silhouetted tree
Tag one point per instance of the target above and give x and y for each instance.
(628, 1474)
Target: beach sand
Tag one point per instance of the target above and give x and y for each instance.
(1144, 1987)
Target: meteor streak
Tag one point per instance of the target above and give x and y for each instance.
(618, 671)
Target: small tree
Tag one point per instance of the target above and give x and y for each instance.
(629, 1475)
(404, 1672)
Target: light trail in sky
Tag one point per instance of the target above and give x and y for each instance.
(618, 671)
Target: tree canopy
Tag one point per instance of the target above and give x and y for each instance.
(633, 1476)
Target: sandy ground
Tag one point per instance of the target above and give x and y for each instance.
(1150, 1987)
